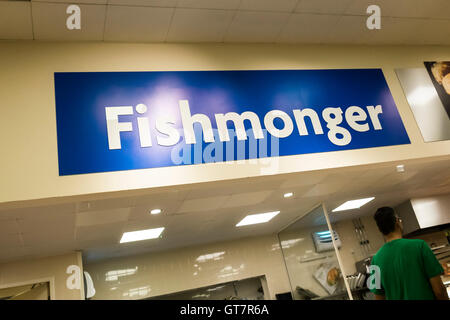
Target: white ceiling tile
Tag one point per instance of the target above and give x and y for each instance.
(401, 8)
(199, 192)
(91, 218)
(307, 179)
(202, 204)
(149, 222)
(209, 4)
(168, 209)
(92, 244)
(433, 32)
(277, 199)
(441, 9)
(440, 178)
(323, 189)
(42, 212)
(397, 31)
(323, 6)
(395, 178)
(308, 28)
(15, 20)
(359, 7)
(139, 24)
(342, 177)
(157, 198)
(10, 240)
(271, 183)
(269, 5)
(249, 26)
(54, 28)
(110, 231)
(150, 3)
(65, 222)
(50, 237)
(176, 230)
(371, 174)
(199, 25)
(105, 204)
(246, 199)
(9, 226)
(350, 30)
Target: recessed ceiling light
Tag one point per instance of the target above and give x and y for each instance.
(353, 204)
(257, 218)
(288, 195)
(155, 211)
(141, 235)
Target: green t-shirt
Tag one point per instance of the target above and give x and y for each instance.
(406, 266)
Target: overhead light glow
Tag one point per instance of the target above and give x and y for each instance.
(141, 235)
(115, 274)
(288, 195)
(353, 204)
(210, 256)
(257, 218)
(155, 211)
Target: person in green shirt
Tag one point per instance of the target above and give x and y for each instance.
(407, 268)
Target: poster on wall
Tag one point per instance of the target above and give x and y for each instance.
(328, 275)
(428, 93)
(439, 72)
(111, 121)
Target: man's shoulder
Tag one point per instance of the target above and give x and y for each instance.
(409, 244)
(402, 243)
(413, 242)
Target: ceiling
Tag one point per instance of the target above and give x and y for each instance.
(207, 212)
(425, 22)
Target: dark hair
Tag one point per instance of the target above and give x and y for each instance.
(386, 219)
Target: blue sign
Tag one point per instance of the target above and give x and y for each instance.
(110, 121)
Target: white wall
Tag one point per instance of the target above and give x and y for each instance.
(29, 164)
(351, 250)
(183, 269)
(51, 269)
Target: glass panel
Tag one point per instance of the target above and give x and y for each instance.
(359, 240)
(310, 258)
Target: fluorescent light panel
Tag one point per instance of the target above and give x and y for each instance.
(141, 235)
(353, 204)
(288, 195)
(155, 211)
(257, 218)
